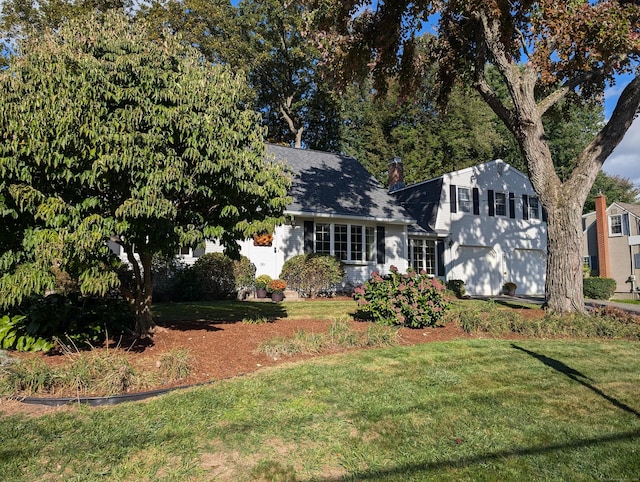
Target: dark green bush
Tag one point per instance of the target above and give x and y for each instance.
(37, 322)
(312, 274)
(213, 276)
(457, 287)
(599, 288)
(413, 300)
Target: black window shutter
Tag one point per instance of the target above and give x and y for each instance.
(525, 206)
(544, 214)
(453, 199)
(476, 201)
(440, 258)
(512, 205)
(380, 258)
(308, 237)
(492, 205)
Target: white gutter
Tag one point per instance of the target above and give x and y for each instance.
(350, 217)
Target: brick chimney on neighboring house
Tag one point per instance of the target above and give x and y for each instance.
(396, 174)
(602, 233)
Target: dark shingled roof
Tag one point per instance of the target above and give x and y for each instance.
(422, 201)
(335, 185)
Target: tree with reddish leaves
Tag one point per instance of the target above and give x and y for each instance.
(545, 51)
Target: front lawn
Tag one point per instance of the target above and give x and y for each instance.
(461, 410)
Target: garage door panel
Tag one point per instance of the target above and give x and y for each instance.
(479, 268)
(527, 269)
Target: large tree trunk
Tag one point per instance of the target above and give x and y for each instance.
(563, 286)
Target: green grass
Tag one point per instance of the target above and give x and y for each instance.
(629, 302)
(464, 410)
(252, 310)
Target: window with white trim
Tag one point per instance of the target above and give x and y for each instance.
(501, 203)
(615, 225)
(422, 255)
(347, 242)
(465, 202)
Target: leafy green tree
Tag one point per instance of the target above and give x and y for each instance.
(615, 188)
(107, 136)
(24, 17)
(545, 52)
(268, 40)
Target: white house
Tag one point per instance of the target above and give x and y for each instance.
(483, 225)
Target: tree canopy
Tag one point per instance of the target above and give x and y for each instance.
(108, 136)
(545, 52)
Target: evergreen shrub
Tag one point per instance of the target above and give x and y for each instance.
(598, 288)
(312, 274)
(457, 287)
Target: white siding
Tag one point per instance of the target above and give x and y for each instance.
(486, 251)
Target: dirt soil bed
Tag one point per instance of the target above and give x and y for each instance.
(225, 350)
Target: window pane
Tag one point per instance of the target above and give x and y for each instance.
(534, 209)
(356, 243)
(341, 240)
(430, 257)
(370, 241)
(616, 224)
(323, 238)
(417, 254)
(501, 204)
(464, 199)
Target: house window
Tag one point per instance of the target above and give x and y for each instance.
(501, 204)
(534, 208)
(370, 242)
(464, 199)
(340, 243)
(323, 238)
(184, 251)
(422, 255)
(347, 242)
(356, 243)
(615, 225)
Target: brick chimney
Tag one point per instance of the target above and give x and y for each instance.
(396, 174)
(602, 234)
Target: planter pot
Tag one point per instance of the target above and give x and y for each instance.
(277, 296)
(510, 293)
(261, 293)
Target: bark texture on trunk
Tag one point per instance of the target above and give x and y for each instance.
(563, 286)
(139, 295)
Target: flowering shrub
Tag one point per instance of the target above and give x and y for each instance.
(413, 299)
(276, 286)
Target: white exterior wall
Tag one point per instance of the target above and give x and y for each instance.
(487, 251)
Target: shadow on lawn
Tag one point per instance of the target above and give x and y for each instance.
(577, 377)
(560, 367)
(174, 314)
(409, 469)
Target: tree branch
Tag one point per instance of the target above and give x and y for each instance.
(549, 101)
(626, 110)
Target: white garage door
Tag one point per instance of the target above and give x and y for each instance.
(479, 268)
(527, 268)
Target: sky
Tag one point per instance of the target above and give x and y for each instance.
(624, 161)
